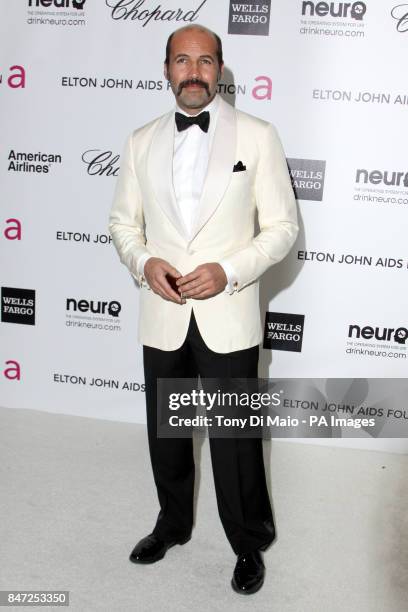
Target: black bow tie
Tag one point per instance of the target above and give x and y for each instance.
(184, 121)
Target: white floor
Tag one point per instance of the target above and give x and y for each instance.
(76, 494)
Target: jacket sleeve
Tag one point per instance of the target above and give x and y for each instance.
(126, 221)
(277, 214)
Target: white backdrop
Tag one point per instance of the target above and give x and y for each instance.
(77, 78)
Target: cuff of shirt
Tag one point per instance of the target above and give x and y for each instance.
(232, 280)
(140, 269)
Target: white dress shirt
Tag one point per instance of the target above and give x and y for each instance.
(191, 153)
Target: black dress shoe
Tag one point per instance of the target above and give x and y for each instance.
(249, 573)
(151, 549)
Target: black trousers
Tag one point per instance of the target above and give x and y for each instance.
(238, 467)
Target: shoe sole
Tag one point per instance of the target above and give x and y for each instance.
(149, 561)
(254, 589)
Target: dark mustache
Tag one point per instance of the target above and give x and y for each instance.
(193, 82)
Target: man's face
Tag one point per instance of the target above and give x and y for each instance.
(193, 69)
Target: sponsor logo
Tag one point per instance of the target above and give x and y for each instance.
(101, 163)
(39, 163)
(344, 10)
(12, 370)
(385, 334)
(381, 186)
(377, 341)
(13, 229)
(250, 17)
(56, 12)
(379, 177)
(93, 314)
(263, 89)
(400, 14)
(18, 305)
(283, 331)
(146, 13)
(333, 19)
(15, 78)
(307, 178)
(113, 308)
(76, 4)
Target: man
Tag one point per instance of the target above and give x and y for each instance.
(183, 223)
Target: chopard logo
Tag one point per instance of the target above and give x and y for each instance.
(101, 162)
(136, 10)
(400, 13)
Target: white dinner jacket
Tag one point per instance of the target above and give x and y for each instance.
(145, 219)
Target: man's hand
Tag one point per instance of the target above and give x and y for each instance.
(156, 271)
(205, 281)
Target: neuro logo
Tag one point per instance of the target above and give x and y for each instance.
(76, 4)
(93, 314)
(390, 178)
(113, 307)
(385, 334)
(355, 10)
(56, 13)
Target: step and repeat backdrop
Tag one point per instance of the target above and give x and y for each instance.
(77, 76)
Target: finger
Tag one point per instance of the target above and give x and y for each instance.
(168, 291)
(169, 269)
(197, 290)
(158, 290)
(191, 276)
(192, 285)
(173, 294)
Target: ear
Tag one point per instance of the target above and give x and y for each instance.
(221, 71)
(166, 72)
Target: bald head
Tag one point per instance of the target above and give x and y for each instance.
(201, 29)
